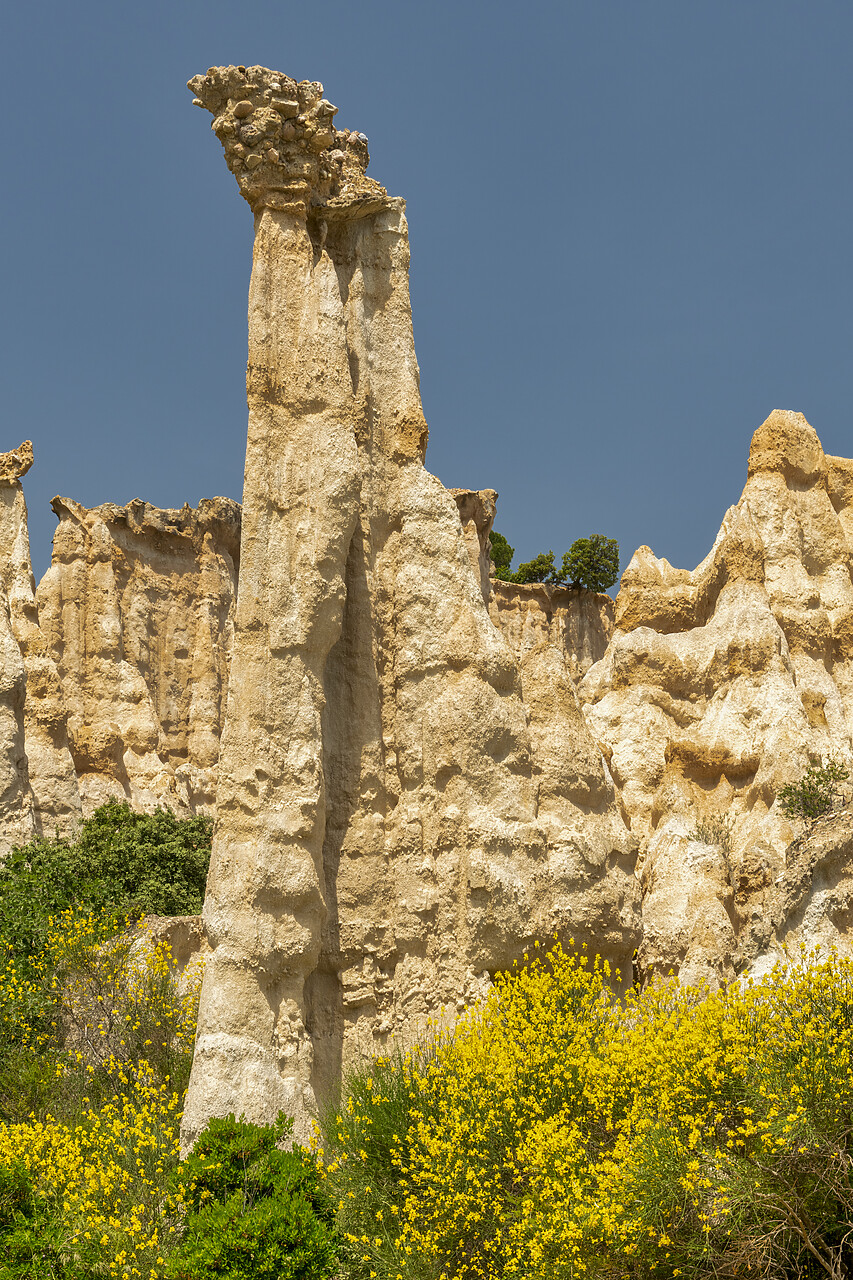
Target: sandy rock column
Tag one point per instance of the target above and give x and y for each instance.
(377, 854)
(265, 908)
(38, 786)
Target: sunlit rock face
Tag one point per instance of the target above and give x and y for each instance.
(394, 823)
(717, 687)
(38, 787)
(136, 611)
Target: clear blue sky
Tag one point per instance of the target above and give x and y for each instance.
(630, 225)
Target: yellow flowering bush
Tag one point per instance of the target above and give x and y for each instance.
(99, 1185)
(558, 1133)
(85, 1182)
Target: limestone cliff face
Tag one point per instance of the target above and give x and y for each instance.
(386, 836)
(136, 611)
(579, 623)
(477, 513)
(38, 789)
(716, 688)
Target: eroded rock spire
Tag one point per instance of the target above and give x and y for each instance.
(378, 852)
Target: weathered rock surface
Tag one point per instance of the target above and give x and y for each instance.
(38, 789)
(716, 688)
(579, 623)
(477, 512)
(136, 612)
(386, 834)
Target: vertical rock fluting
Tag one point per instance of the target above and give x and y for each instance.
(38, 787)
(377, 853)
(136, 611)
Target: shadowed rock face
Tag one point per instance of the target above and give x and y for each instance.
(386, 836)
(717, 687)
(136, 611)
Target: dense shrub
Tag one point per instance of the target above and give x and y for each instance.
(816, 792)
(253, 1212)
(122, 862)
(592, 563)
(540, 569)
(502, 554)
(558, 1134)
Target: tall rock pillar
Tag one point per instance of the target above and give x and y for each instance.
(377, 854)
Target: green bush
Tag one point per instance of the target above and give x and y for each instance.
(590, 563)
(502, 554)
(146, 863)
(253, 1211)
(815, 793)
(121, 862)
(540, 569)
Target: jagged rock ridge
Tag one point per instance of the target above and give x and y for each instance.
(717, 688)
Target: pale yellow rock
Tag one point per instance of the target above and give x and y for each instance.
(137, 613)
(38, 787)
(719, 685)
(16, 463)
(577, 622)
(378, 850)
(477, 512)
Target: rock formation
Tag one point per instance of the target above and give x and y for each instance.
(577, 622)
(716, 689)
(38, 790)
(389, 829)
(136, 611)
(423, 770)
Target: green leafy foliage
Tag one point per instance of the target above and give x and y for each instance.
(540, 569)
(150, 863)
(592, 563)
(502, 554)
(815, 793)
(122, 862)
(253, 1211)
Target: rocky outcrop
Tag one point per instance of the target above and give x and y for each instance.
(577, 622)
(717, 687)
(477, 509)
(390, 831)
(136, 612)
(38, 789)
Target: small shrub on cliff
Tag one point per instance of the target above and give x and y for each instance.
(502, 554)
(815, 793)
(540, 569)
(252, 1210)
(591, 563)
